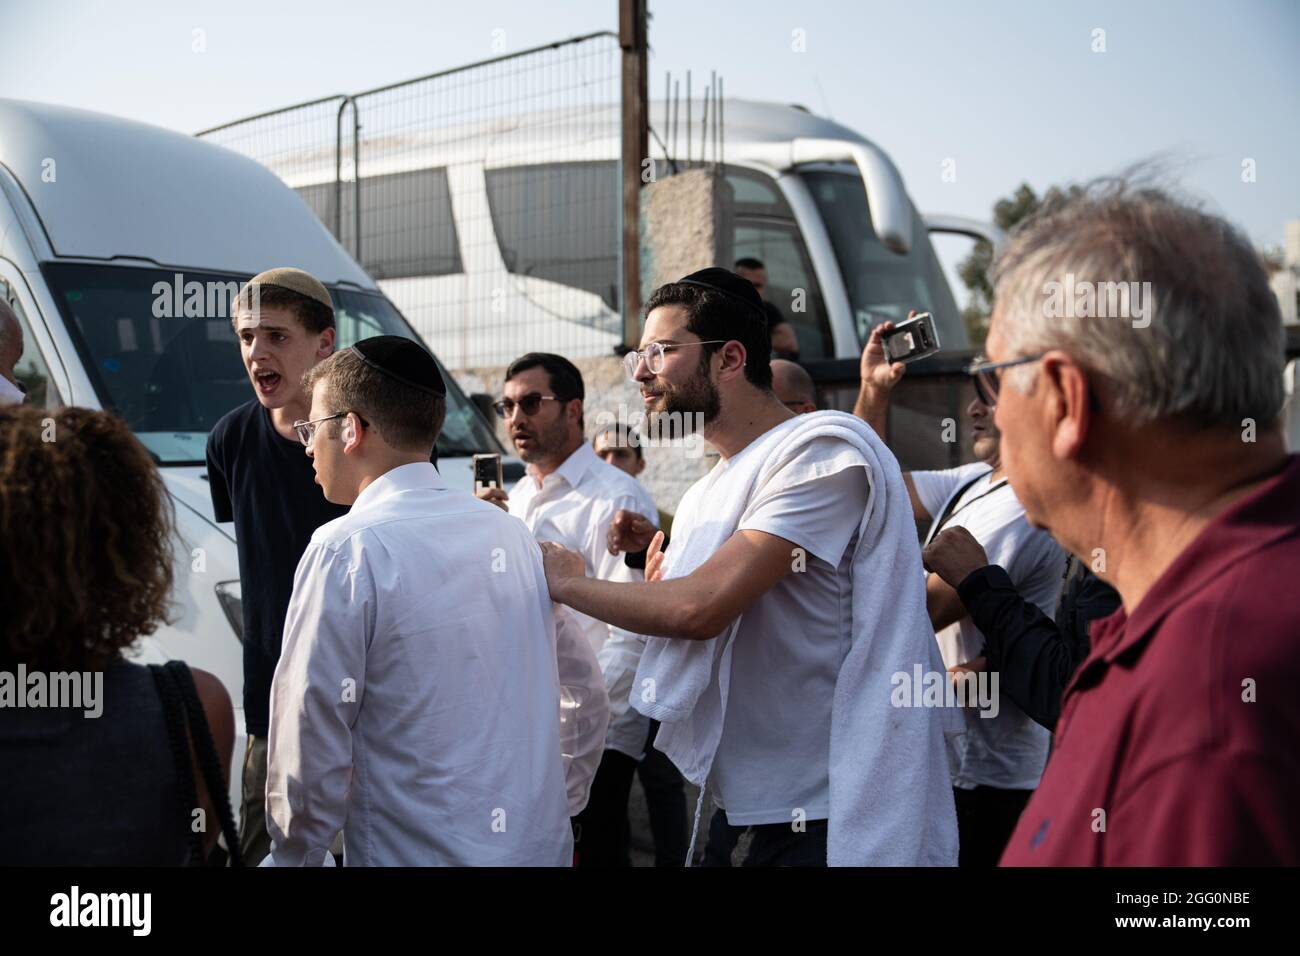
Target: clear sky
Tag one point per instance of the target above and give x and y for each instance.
(1012, 91)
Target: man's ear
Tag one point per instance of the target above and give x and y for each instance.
(325, 344)
(573, 411)
(733, 360)
(351, 433)
(1068, 403)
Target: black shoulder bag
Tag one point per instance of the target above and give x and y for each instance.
(184, 711)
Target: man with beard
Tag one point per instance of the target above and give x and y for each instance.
(790, 596)
(997, 763)
(571, 495)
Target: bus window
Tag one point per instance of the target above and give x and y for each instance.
(791, 286)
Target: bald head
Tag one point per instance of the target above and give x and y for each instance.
(11, 341)
(793, 386)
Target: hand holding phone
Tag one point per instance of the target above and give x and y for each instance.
(488, 481)
(487, 472)
(911, 340)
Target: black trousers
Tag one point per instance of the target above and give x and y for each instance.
(986, 818)
(601, 831)
(774, 844)
(665, 797)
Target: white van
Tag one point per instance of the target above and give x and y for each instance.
(500, 237)
(94, 212)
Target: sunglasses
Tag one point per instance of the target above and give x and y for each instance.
(530, 404)
(987, 376)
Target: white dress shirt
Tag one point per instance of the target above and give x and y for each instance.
(574, 505)
(415, 702)
(584, 707)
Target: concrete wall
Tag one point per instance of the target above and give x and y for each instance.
(685, 226)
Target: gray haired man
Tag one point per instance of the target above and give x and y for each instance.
(1135, 358)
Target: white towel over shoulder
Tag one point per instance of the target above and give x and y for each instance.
(890, 790)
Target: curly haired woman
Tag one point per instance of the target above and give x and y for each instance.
(113, 778)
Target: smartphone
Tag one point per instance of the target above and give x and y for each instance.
(487, 472)
(914, 339)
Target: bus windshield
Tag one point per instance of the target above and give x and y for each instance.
(171, 376)
(882, 285)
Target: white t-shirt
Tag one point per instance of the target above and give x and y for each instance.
(1007, 751)
(774, 755)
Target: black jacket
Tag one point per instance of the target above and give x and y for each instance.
(1035, 657)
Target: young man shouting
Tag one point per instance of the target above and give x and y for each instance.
(260, 479)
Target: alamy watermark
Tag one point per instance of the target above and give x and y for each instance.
(975, 689)
(655, 430)
(1081, 298)
(75, 908)
(200, 300)
(67, 689)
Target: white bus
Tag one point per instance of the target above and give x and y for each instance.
(496, 238)
(94, 212)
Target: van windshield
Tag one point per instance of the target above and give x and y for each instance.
(881, 284)
(171, 376)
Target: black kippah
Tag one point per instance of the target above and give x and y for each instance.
(402, 360)
(729, 284)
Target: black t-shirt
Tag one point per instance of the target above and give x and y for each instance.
(264, 483)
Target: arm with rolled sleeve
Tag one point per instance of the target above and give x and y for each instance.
(327, 631)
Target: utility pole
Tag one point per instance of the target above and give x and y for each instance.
(636, 148)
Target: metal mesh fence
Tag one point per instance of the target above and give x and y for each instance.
(484, 200)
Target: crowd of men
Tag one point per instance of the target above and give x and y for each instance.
(434, 676)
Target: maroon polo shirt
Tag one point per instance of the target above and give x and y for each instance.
(1157, 728)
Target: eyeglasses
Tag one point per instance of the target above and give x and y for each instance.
(653, 356)
(988, 376)
(529, 404)
(307, 430)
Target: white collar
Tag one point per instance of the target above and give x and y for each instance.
(417, 474)
(574, 468)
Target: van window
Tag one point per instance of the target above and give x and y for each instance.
(359, 315)
(560, 222)
(407, 226)
(171, 376)
(881, 284)
(30, 370)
